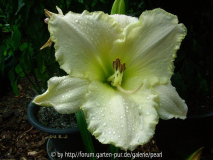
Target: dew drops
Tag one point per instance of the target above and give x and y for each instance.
(109, 132)
(104, 123)
(113, 132)
(102, 114)
(121, 117)
(119, 136)
(102, 139)
(141, 123)
(76, 21)
(122, 126)
(93, 118)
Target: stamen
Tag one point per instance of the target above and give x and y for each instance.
(47, 44)
(47, 13)
(129, 92)
(116, 78)
(117, 65)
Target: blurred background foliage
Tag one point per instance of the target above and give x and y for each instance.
(23, 32)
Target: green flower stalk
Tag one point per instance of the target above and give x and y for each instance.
(118, 72)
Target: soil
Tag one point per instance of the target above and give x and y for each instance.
(19, 140)
(48, 116)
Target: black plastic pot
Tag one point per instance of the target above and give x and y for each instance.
(61, 140)
(179, 138)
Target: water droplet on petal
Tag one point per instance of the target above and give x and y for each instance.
(102, 139)
(141, 123)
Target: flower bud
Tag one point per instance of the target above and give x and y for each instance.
(118, 7)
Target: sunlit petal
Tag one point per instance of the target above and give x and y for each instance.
(116, 118)
(149, 48)
(170, 103)
(66, 94)
(83, 42)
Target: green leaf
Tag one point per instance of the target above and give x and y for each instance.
(68, 2)
(13, 81)
(25, 60)
(196, 155)
(85, 134)
(20, 5)
(113, 150)
(19, 71)
(94, 3)
(40, 62)
(23, 46)
(202, 84)
(2, 49)
(16, 38)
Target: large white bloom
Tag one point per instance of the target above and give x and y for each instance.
(119, 69)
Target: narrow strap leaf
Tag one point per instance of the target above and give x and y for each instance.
(85, 134)
(113, 150)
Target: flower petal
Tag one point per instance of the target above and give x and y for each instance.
(125, 121)
(149, 48)
(124, 20)
(65, 94)
(83, 42)
(170, 103)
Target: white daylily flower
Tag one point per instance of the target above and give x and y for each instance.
(122, 102)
